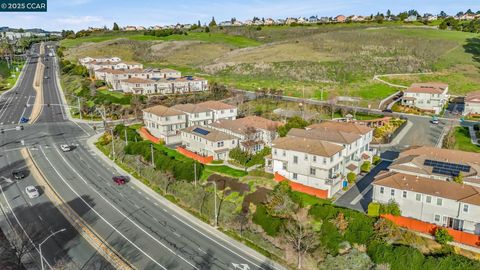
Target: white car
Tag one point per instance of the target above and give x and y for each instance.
(65, 147)
(32, 192)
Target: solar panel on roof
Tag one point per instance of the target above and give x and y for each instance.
(201, 131)
(446, 168)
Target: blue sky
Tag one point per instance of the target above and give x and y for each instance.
(79, 14)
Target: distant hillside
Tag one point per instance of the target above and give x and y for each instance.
(33, 30)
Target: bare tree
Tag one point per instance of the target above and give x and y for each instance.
(300, 234)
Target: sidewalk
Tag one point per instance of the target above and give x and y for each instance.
(214, 235)
(473, 136)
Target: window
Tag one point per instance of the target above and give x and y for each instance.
(465, 208)
(179, 117)
(295, 176)
(220, 144)
(437, 218)
(429, 199)
(284, 165)
(314, 158)
(392, 192)
(418, 197)
(404, 194)
(166, 118)
(284, 153)
(197, 115)
(306, 157)
(275, 151)
(324, 161)
(439, 201)
(382, 190)
(231, 110)
(312, 171)
(295, 159)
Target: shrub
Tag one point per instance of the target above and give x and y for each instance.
(323, 212)
(294, 122)
(330, 237)
(391, 208)
(398, 257)
(271, 225)
(365, 166)
(376, 160)
(442, 236)
(374, 209)
(351, 177)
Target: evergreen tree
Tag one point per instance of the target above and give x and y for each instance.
(213, 23)
(199, 25)
(115, 27)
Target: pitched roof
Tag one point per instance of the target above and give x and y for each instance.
(212, 134)
(305, 145)
(258, 122)
(124, 71)
(191, 108)
(431, 88)
(439, 188)
(347, 127)
(216, 105)
(325, 135)
(441, 154)
(168, 70)
(473, 97)
(161, 110)
(138, 80)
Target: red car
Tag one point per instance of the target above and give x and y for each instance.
(120, 180)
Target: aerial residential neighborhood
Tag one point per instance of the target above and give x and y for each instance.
(240, 135)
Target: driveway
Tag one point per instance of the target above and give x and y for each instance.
(359, 196)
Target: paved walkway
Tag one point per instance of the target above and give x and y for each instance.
(473, 135)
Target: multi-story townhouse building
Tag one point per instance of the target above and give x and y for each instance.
(430, 97)
(137, 85)
(444, 203)
(86, 60)
(472, 104)
(196, 114)
(113, 77)
(221, 110)
(165, 123)
(253, 132)
(439, 164)
(311, 162)
(207, 142)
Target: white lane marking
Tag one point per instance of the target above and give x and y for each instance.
(120, 212)
(21, 227)
(156, 204)
(177, 235)
(9, 100)
(360, 196)
(201, 250)
(20, 119)
(40, 217)
(95, 211)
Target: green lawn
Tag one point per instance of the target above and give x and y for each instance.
(236, 41)
(6, 79)
(225, 170)
(463, 142)
(113, 97)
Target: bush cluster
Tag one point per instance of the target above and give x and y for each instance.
(271, 225)
(248, 159)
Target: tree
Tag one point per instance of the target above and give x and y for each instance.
(207, 29)
(402, 16)
(391, 208)
(213, 23)
(340, 222)
(198, 24)
(442, 236)
(279, 203)
(389, 13)
(365, 167)
(301, 236)
(115, 27)
(442, 14)
(351, 177)
(294, 122)
(458, 178)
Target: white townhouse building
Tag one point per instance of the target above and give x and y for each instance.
(207, 142)
(196, 114)
(165, 123)
(137, 85)
(472, 104)
(254, 133)
(220, 109)
(153, 85)
(426, 96)
(311, 162)
(356, 146)
(444, 203)
(88, 59)
(113, 77)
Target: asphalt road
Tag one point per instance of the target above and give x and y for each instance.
(147, 233)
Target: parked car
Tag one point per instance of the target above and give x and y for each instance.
(17, 175)
(32, 192)
(387, 111)
(19, 128)
(434, 120)
(120, 179)
(24, 120)
(65, 147)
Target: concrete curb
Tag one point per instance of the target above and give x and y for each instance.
(213, 233)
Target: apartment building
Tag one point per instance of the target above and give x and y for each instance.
(430, 97)
(254, 133)
(444, 203)
(311, 162)
(165, 123)
(207, 142)
(472, 104)
(221, 110)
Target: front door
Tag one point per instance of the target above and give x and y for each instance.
(455, 223)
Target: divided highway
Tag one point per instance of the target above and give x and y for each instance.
(143, 231)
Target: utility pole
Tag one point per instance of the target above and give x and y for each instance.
(113, 145)
(126, 140)
(79, 108)
(153, 161)
(215, 196)
(195, 171)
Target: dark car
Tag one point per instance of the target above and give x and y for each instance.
(24, 120)
(387, 111)
(17, 175)
(120, 179)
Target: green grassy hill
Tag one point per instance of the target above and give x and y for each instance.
(340, 59)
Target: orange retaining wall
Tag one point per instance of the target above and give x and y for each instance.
(190, 154)
(320, 193)
(428, 228)
(147, 136)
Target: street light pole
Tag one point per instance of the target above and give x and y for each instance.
(151, 149)
(79, 108)
(195, 172)
(126, 140)
(40, 245)
(215, 196)
(113, 145)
